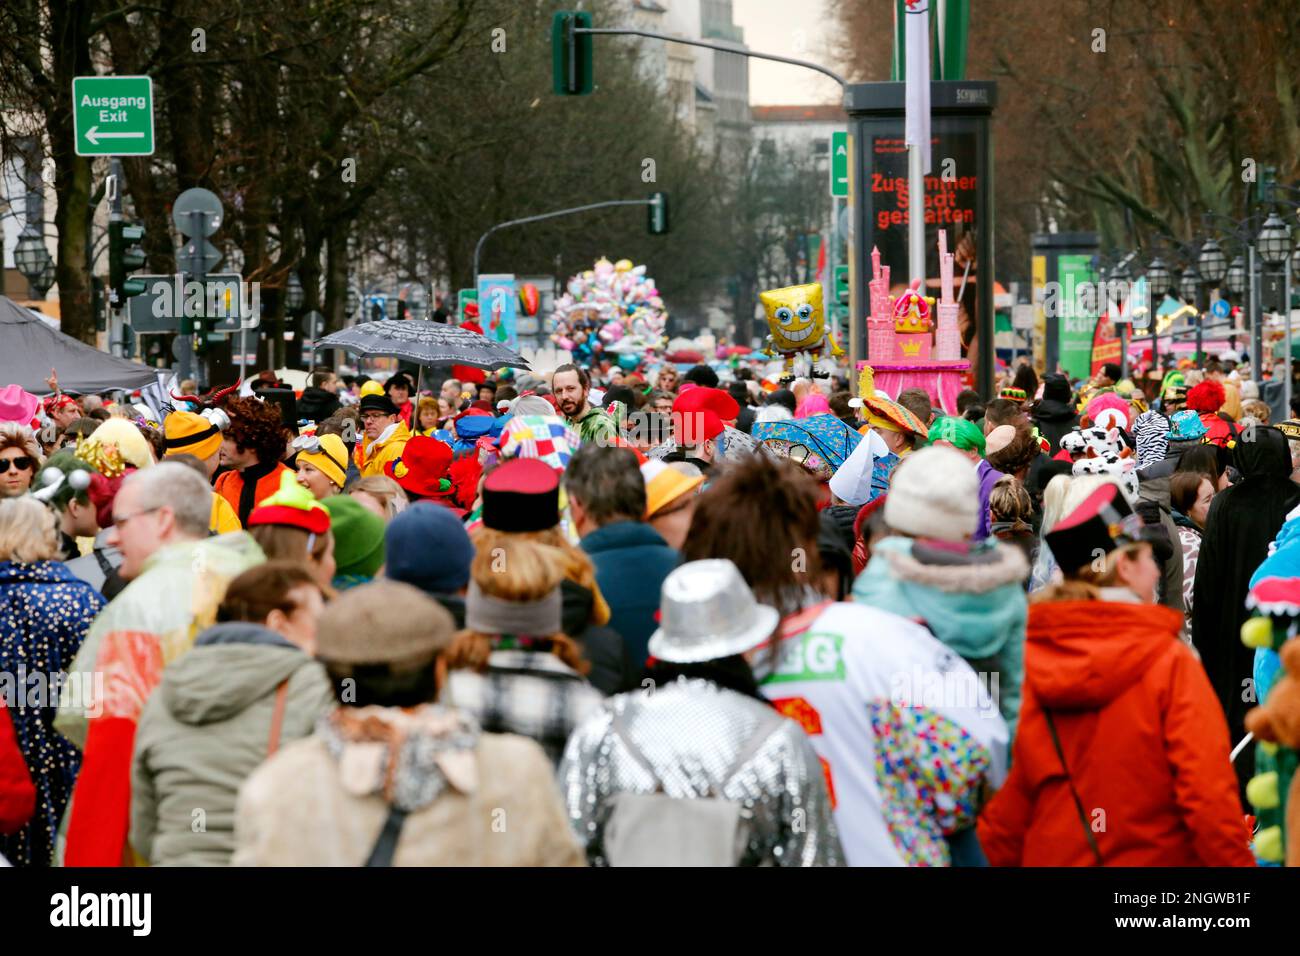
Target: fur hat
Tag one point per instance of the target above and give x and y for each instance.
(934, 493)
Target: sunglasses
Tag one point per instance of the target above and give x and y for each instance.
(21, 463)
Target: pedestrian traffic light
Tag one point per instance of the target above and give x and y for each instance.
(571, 53)
(842, 285)
(97, 303)
(124, 255)
(657, 218)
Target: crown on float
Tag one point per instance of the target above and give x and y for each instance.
(912, 310)
(911, 349)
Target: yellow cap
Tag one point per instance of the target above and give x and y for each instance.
(665, 485)
(331, 459)
(371, 388)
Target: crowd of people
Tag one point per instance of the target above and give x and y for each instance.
(637, 616)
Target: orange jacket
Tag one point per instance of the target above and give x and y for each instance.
(1144, 738)
(232, 487)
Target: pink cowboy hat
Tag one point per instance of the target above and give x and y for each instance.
(18, 405)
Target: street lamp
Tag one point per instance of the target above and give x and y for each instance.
(1274, 240)
(31, 258)
(1157, 287)
(294, 296)
(1212, 263)
(1189, 285)
(1274, 243)
(1236, 276)
(1117, 290)
(41, 284)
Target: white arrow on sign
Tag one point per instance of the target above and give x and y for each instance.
(94, 137)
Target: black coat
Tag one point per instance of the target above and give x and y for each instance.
(1054, 420)
(1243, 519)
(612, 671)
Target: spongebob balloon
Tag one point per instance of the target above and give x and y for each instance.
(794, 314)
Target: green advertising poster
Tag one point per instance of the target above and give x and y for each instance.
(1078, 313)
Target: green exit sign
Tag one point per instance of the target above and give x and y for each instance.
(840, 163)
(113, 115)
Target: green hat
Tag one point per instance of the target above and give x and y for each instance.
(961, 434)
(358, 536)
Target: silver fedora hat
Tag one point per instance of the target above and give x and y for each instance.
(707, 612)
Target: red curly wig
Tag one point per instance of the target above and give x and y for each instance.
(1208, 396)
(256, 425)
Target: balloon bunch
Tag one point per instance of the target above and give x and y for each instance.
(614, 306)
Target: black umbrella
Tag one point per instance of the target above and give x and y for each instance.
(424, 343)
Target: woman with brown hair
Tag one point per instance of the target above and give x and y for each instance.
(248, 685)
(512, 667)
(1121, 754)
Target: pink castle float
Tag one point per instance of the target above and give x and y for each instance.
(907, 346)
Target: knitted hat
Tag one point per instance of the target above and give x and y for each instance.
(547, 438)
(383, 622)
(1013, 393)
(330, 458)
(18, 405)
(185, 433)
(934, 493)
(129, 441)
(699, 413)
(427, 546)
(293, 506)
(962, 434)
(358, 536)
(1102, 522)
(422, 467)
(378, 403)
(1186, 426)
(665, 485)
(522, 495)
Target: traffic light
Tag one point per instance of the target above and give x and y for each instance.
(842, 285)
(657, 216)
(97, 303)
(124, 255)
(571, 53)
(401, 309)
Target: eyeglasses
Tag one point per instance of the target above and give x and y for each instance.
(118, 522)
(21, 463)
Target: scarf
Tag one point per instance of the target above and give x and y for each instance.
(407, 756)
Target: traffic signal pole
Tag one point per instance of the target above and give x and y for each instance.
(656, 199)
(617, 31)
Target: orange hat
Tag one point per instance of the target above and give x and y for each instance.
(665, 485)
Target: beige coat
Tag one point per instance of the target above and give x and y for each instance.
(294, 811)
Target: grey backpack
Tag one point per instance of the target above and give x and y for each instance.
(654, 829)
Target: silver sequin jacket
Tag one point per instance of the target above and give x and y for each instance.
(692, 731)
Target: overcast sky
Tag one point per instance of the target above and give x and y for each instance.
(794, 28)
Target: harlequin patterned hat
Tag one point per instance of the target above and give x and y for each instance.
(1013, 393)
(545, 437)
(883, 413)
(292, 506)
